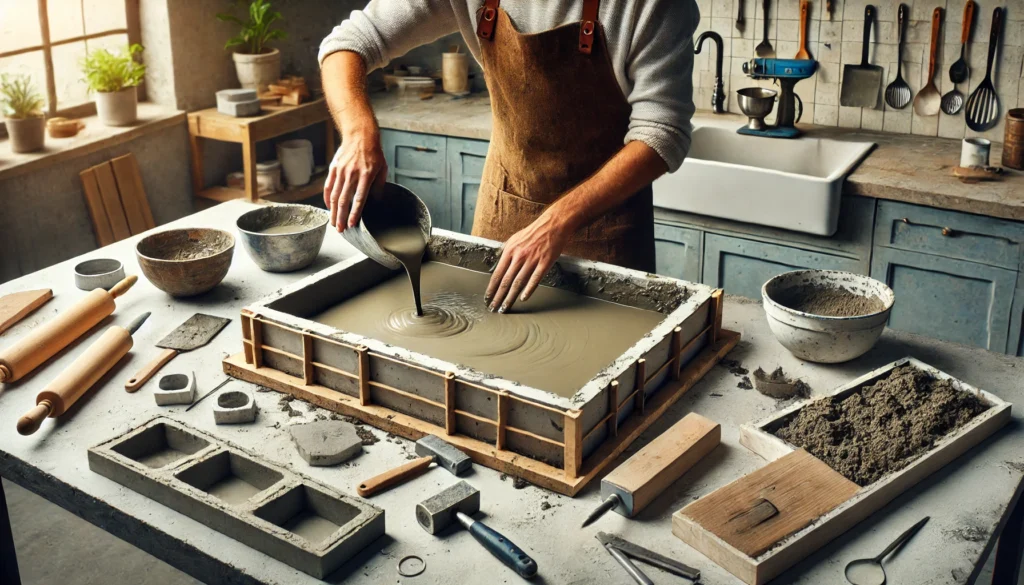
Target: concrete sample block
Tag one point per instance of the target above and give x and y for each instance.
(176, 389)
(285, 515)
(326, 442)
(238, 102)
(234, 407)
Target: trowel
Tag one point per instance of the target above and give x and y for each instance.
(192, 334)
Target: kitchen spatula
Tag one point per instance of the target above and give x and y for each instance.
(764, 48)
(862, 83)
(982, 108)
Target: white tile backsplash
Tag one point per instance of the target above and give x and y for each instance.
(838, 41)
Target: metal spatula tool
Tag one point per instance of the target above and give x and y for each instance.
(982, 108)
(897, 94)
(862, 83)
(764, 48)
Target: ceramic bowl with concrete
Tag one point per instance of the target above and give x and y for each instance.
(820, 338)
(283, 238)
(186, 262)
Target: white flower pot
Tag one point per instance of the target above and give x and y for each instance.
(27, 134)
(118, 108)
(258, 71)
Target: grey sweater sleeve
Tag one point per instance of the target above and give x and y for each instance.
(387, 29)
(660, 67)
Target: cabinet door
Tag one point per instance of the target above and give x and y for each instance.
(941, 297)
(677, 251)
(417, 162)
(742, 266)
(1015, 342)
(465, 166)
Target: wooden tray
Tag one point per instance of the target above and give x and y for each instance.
(790, 549)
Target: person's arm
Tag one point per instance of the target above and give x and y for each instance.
(661, 70)
(369, 39)
(529, 253)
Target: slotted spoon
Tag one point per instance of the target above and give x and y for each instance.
(982, 108)
(897, 94)
(953, 101)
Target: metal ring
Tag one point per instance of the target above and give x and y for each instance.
(588, 27)
(409, 558)
(488, 16)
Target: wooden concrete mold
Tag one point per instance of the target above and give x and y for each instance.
(756, 536)
(287, 516)
(556, 442)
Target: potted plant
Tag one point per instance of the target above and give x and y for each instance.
(114, 77)
(23, 109)
(256, 64)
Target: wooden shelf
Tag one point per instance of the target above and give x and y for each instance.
(220, 194)
(274, 121)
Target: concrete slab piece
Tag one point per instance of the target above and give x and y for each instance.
(288, 516)
(326, 442)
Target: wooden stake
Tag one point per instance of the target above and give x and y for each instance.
(449, 403)
(364, 375)
(676, 349)
(613, 408)
(641, 381)
(257, 342)
(573, 438)
(716, 315)
(307, 359)
(502, 418)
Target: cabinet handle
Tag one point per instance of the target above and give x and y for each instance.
(948, 232)
(425, 149)
(905, 220)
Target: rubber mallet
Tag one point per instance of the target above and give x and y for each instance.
(432, 449)
(456, 504)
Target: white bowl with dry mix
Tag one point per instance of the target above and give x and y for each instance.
(826, 316)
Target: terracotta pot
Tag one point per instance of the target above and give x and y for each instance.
(27, 134)
(118, 108)
(258, 71)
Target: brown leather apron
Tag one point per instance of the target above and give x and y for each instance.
(558, 116)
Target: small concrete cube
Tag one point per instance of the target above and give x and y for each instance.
(239, 109)
(176, 389)
(326, 442)
(234, 407)
(237, 95)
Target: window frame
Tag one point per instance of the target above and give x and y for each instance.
(132, 29)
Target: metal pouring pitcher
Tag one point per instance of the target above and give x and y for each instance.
(399, 199)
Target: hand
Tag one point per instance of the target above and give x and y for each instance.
(358, 167)
(525, 259)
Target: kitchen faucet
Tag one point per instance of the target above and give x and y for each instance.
(718, 95)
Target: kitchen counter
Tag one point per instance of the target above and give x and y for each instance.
(912, 169)
(969, 500)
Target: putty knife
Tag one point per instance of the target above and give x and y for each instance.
(192, 334)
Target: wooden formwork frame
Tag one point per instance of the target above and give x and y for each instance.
(576, 472)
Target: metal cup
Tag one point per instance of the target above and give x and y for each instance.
(400, 200)
(756, 103)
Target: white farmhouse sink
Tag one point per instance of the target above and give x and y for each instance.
(790, 184)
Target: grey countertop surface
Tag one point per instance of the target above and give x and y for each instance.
(914, 169)
(967, 500)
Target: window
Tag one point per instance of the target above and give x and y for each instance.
(47, 38)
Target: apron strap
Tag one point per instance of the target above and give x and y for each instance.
(589, 25)
(488, 18)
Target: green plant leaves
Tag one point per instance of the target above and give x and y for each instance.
(108, 72)
(257, 31)
(18, 97)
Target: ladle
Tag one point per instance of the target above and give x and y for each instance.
(870, 571)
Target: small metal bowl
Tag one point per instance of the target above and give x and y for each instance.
(756, 103)
(98, 273)
(287, 251)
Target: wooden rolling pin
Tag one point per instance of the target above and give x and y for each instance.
(72, 383)
(44, 342)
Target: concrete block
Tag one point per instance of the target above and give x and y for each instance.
(234, 407)
(285, 515)
(176, 389)
(238, 102)
(326, 442)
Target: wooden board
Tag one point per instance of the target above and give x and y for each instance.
(661, 462)
(483, 453)
(112, 201)
(871, 498)
(133, 193)
(758, 510)
(15, 306)
(97, 213)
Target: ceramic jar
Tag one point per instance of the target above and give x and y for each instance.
(296, 157)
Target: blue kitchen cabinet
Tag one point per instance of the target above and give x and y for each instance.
(742, 266)
(1015, 342)
(419, 163)
(677, 251)
(465, 167)
(947, 298)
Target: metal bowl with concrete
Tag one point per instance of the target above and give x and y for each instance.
(824, 338)
(186, 262)
(283, 238)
